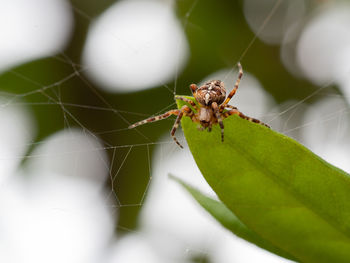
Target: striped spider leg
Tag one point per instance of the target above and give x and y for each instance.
(233, 91)
(234, 110)
(184, 111)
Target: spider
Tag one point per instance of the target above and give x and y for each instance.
(212, 101)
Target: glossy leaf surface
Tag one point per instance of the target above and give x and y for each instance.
(277, 188)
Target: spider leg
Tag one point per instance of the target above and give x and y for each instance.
(231, 107)
(192, 103)
(193, 88)
(240, 74)
(155, 118)
(217, 113)
(228, 106)
(185, 110)
(240, 114)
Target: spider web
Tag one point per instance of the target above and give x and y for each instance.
(133, 155)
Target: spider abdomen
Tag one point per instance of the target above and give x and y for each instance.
(212, 91)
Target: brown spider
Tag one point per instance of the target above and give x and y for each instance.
(212, 101)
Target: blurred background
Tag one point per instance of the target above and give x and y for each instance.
(76, 185)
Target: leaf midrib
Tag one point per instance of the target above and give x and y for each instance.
(299, 197)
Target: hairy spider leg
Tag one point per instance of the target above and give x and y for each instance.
(231, 107)
(192, 103)
(185, 110)
(193, 88)
(233, 91)
(240, 114)
(155, 118)
(217, 113)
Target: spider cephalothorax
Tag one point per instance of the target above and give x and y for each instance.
(212, 102)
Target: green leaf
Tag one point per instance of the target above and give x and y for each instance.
(276, 187)
(230, 221)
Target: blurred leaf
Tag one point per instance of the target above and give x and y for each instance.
(230, 221)
(276, 187)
